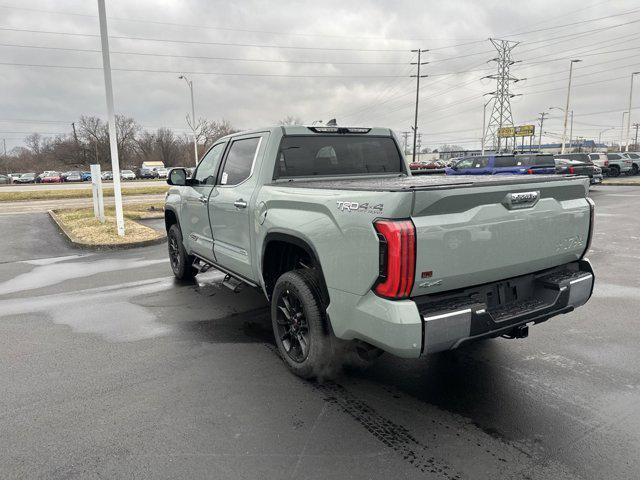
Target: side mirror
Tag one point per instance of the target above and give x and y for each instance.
(178, 177)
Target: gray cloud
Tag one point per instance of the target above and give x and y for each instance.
(449, 103)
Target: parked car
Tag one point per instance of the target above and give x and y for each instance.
(42, 175)
(107, 175)
(86, 176)
(146, 173)
(127, 175)
(5, 179)
(14, 176)
(600, 160)
(422, 166)
(72, 176)
(618, 164)
(503, 165)
(567, 166)
(26, 178)
(161, 172)
(364, 264)
(51, 177)
(635, 161)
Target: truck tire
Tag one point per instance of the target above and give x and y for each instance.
(181, 263)
(614, 171)
(299, 324)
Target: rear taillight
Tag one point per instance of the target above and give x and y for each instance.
(572, 170)
(530, 171)
(397, 258)
(606, 163)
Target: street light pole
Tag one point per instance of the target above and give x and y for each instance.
(113, 142)
(571, 132)
(484, 121)
(622, 130)
(566, 110)
(602, 131)
(193, 118)
(626, 148)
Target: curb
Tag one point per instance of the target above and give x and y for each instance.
(77, 243)
(620, 183)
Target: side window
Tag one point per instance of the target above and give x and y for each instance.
(465, 163)
(480, 162)
(505, 161)
(206, 172)
(237, 166)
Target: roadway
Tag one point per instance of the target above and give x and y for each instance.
(17, 187)
(110, 368)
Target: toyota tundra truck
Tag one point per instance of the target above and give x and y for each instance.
(356, 255)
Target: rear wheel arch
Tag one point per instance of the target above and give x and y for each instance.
(282, 252)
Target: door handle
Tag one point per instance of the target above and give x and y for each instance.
(240, 203)
(203, 199)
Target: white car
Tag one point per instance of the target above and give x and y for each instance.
(635, 159)
(127, 175)
(162, 172)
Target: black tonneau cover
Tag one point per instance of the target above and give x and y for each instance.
(403, 183)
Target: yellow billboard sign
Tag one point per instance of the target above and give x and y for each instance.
(519, 131)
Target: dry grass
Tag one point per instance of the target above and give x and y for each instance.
(77, 193)
(82, 225)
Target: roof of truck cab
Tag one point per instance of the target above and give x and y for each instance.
(405, 183)
(308, 130)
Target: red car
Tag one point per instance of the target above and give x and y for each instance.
(51, 177)
(424, 166)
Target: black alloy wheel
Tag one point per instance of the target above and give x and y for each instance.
(292, 326)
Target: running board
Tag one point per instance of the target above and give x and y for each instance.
(234, 277)
(232, 283)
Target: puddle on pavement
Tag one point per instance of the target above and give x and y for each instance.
(52, 260)
(45, 275)
(115, 321)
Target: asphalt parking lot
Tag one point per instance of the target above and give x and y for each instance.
(111, 369)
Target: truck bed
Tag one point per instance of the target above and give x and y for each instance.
(403, 183)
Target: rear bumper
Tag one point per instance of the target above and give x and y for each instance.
(468, 317)
(596, 178)
(433, 323)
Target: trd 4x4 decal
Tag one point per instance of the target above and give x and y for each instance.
(360, 207)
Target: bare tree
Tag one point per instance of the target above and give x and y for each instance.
(33, 143)
(290, 120)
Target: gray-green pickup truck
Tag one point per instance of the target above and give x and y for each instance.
(356, 255)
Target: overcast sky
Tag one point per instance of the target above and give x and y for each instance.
(360, 72)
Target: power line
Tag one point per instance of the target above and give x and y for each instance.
(197, 57)
(215, 27)
(200, 42)
(179, 72)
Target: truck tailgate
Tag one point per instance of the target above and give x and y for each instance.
(470, 236)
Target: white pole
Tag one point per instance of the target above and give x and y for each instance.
(484, 119)
(571, 132)
(193, 121)
(622, 130)
(113, 143)
(626, 148)
(98, 199)
(566, 110)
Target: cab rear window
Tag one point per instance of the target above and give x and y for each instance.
(330, 155)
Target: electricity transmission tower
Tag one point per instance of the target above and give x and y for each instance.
(501, 111)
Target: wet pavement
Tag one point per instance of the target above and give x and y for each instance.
(110, 368)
